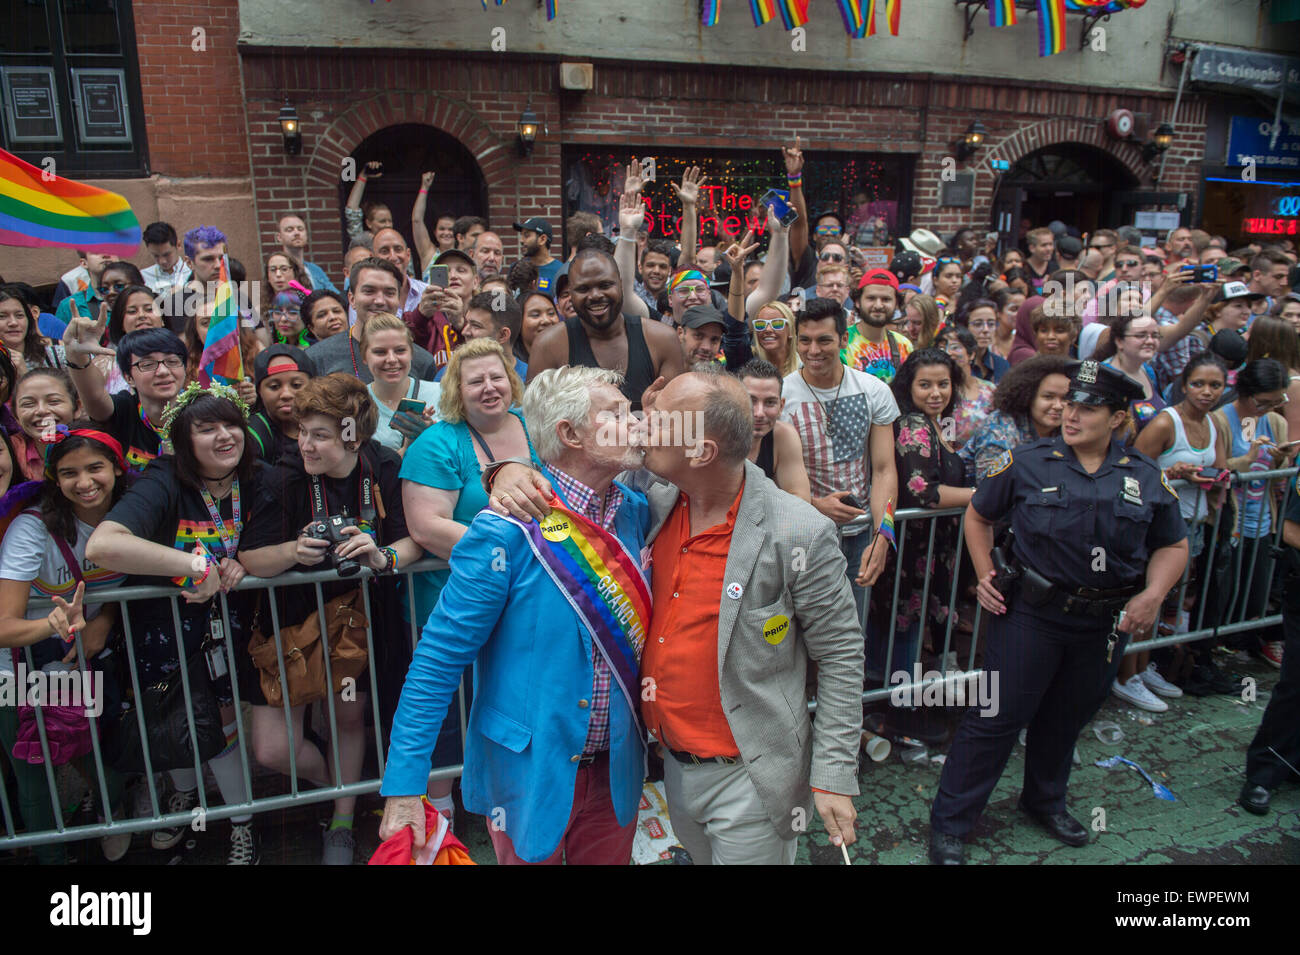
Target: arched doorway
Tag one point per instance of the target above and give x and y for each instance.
(409, 150)
(1083, 186)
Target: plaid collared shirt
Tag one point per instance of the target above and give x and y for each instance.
(600, 511)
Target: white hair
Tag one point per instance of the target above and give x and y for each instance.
(561, 394)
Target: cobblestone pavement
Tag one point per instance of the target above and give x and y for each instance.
(1197, 749)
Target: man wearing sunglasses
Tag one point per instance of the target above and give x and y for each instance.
(1105, 242)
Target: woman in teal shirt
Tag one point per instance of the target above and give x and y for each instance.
(442, 489)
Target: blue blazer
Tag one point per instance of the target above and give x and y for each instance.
(532, 688)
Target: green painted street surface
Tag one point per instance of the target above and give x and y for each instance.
(1197, 749)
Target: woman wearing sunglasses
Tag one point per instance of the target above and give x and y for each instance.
(774, 337)
(947, 278)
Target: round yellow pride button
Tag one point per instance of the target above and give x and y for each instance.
(556, 527)
(776, 628)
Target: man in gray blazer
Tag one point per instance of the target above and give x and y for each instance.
(750, 581)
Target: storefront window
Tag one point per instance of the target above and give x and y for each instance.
(1245, 212)
(870, 193)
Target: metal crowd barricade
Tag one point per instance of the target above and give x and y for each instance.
(1238, 617)
(100, 785)
(1247, 556)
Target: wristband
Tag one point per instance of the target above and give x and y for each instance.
(424, 192)
(390, 564)
(68, 361)
(209, 562)
(361, 178)
(794, 181)
(627, 238)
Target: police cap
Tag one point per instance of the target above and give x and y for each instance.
(1092, 383)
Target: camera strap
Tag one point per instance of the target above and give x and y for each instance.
(365, 495)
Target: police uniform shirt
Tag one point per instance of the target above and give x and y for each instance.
(1062, 515)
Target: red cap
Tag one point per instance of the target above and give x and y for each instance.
(879, 277)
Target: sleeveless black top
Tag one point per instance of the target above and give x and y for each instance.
(640, 372)
(766, 459)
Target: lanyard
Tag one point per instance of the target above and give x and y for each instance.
(213, 512)
(139, 407)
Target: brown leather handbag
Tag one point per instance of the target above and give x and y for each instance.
(304, 663)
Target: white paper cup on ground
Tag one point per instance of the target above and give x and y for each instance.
(877, 747)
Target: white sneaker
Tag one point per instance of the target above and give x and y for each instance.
(1135, 692)
(1158, 684)
(116, 845)
(178, 802)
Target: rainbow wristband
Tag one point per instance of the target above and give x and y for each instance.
(794, 182)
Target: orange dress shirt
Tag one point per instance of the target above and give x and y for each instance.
(681, 651)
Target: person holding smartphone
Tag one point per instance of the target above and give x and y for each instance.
(406, 405)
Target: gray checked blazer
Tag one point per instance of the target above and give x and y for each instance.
(786, 556)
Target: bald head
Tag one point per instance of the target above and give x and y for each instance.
(390, 245)
(702, 419)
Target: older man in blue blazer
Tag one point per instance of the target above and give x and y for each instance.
(554, 615)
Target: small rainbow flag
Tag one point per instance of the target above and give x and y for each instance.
(550, 9)
(887, 525)
(892, 16)
(1002, 13)
(794, 13)
(855, 21)
(762, 11)
(222, 360)
(709, 12)
(1051, 27)
(39, 211)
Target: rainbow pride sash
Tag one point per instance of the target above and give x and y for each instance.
(602, 583)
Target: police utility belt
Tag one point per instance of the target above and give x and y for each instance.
(1037, 591)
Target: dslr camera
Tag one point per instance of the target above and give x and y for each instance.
(330, 528)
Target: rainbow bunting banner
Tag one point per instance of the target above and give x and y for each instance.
(892, 16)
(39, 210)
(794, 13)
(222, 359)
(855, 21)
(762, 11)
(709, 12)
(1051, 27)
(1002, 13)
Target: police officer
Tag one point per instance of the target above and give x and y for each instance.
(1098, 541)
(1274, 753)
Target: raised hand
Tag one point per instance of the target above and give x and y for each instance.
(631, 213)
(635, 179)
(738, 252)
(374, 169)
(693, 180)
(83, 337)
(426, 180)
(793, 156)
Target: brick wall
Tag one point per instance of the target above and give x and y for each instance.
(345, 97)
(193, 103)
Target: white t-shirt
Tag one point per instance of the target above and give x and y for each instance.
(385, 434)
(834, 428)
(30, 554)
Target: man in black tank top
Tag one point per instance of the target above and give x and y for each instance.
(776, 449)
(601, 336)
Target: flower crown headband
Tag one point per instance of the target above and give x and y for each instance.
(193, 392)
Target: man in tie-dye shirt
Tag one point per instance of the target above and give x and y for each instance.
(873, 346)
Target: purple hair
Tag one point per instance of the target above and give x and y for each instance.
(208, 235)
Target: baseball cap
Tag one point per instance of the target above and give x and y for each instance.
(1228, 265)
(698, 316)
(1229, 345)
(879, 277)
(536, 224)
(1235, 290)
(447, 255)
(906, 264)
(1069, 246)
(278, 358)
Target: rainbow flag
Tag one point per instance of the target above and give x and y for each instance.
(1002, 13)
(550, 9)
(762, 11)
(1051, 27)
(887, 525)
(38, 211)
(892, 13)
(794, 13)
(855, 21)
(222, 360)
(709, 12)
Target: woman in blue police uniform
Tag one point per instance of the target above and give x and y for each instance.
(1098, 541)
